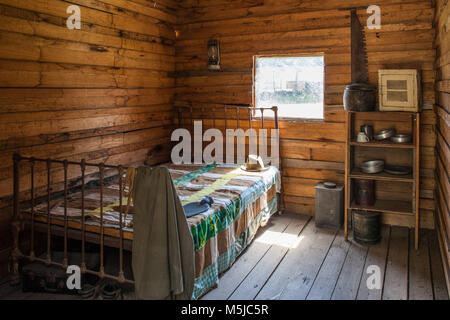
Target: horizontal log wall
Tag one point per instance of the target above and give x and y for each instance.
(103, 93)
(442, 109)
(311, 151)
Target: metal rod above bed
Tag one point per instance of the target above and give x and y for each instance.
(85, 164)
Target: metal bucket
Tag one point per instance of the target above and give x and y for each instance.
(366, 227)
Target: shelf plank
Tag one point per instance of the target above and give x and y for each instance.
(399, 116)
(383, 144)
(356, 173)
(390, 206)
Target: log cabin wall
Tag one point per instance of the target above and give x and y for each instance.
(103, 93)
(442, 109)
(311, 151)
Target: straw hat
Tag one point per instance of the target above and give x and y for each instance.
(254, 164)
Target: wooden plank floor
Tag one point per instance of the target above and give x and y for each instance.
(292, 259)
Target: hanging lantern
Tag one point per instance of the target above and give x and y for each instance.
(213, 55)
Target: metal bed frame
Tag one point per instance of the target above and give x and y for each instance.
(19, 222)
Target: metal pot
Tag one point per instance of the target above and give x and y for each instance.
(360, 97)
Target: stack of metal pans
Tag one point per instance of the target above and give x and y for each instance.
(372, 166)
(384, 134)
(401, 138)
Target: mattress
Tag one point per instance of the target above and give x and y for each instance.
(243, 201)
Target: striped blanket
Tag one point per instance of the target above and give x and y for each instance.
(242, 202)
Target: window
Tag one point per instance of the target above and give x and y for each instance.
(294, 84)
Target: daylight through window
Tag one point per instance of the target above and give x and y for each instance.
(294, 84)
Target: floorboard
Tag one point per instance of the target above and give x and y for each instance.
(232, 278)
(295, 274)
(396, 278)
(437, 271)
(327, 278)
(419, 286)
(376, 257)
(281, 243)
(351, 273)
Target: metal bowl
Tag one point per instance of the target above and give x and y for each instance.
(372, 166)
(384, 134)
(401, 138)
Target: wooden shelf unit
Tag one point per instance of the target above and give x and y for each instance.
(401, 197)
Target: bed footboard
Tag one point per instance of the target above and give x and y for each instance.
(63, 230)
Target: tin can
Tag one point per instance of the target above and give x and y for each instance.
(365, 192)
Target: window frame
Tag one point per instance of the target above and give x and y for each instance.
(257, 115)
